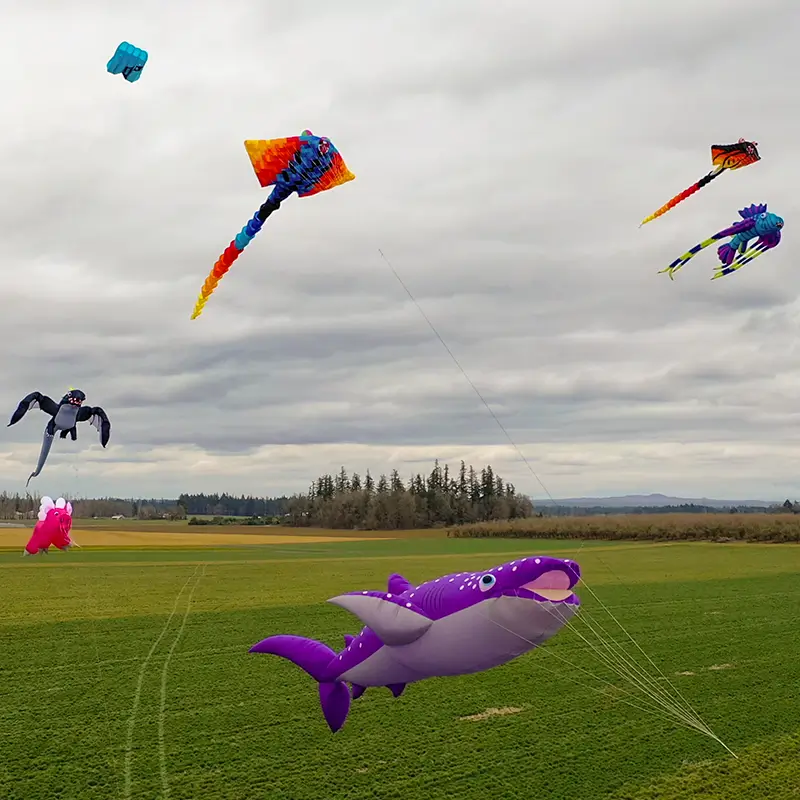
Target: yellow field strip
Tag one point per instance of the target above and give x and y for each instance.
(92, 537)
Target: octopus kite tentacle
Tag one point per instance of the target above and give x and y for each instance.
(693, 251)
(744, 258)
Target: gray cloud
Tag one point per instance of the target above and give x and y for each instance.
(504, 153)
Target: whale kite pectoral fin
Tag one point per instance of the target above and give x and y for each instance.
(396, 688)
(358, 690)
(395, 620)
(334, 697)
(348, 639)
(398, 584)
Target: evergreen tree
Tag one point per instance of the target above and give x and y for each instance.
(432, 501)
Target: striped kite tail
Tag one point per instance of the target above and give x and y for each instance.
(744, 258)
(223, 264)
(695, 187)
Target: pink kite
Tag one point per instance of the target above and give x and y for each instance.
(53, 527)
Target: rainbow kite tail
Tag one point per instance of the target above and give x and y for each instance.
(695, 187)
(231, 253)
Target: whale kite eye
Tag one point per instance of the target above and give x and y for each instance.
(487, 581)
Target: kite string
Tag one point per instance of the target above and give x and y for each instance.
(675, 718)
(530, 469)
(469, 380)
(620, 662)
(483, 399)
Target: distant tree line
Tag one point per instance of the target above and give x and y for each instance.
(16, 506)
(26, 506)
(350, 501)
(439, 499)
(550, 510)
(221, 505)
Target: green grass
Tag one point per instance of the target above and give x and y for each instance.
(76, 629)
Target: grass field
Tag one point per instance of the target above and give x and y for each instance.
(124, 673)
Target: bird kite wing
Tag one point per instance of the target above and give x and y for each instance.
(723, 156)
(31, 401)
(95, 416)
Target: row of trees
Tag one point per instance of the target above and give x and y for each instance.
(26, 506)
(221, 505)
(345, 501)
(439, 499)
(550, 510)
(354, 502)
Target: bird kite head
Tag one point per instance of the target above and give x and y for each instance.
(74, 397)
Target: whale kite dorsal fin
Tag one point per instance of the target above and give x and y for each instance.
(398, 584)
(395, 621)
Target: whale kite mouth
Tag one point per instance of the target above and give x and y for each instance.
(553, 585)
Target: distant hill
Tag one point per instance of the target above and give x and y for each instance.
(646, 500)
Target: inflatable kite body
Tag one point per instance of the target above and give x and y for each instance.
(129, 61)
(305, 164)
(65, 415)
(756, 221)
(458, 624)
(53, 527)
(723, 156)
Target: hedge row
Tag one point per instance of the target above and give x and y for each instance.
(667, 527)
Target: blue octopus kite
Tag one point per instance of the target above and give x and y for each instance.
(756, 221)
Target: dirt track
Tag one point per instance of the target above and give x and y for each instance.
(94, 537)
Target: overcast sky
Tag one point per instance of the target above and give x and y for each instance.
(505, 152)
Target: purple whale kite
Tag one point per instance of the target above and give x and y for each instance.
(458, 624)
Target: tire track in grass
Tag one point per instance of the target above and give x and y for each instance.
(162, 750)
(140, 682)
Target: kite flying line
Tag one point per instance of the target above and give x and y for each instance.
(615, 656)
(469, 380)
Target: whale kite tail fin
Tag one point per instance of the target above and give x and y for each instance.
(317, 659)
